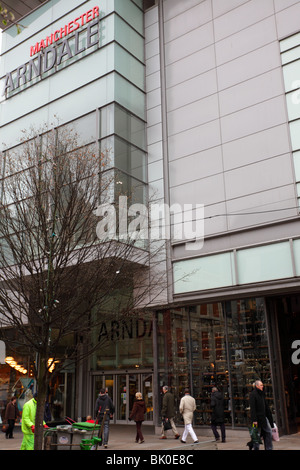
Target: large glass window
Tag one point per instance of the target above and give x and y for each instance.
(248, 354)
(123, 344)
(115, 119)
(208, 357)
(290, 57)
(124, 156)
(265, 263)
(204, 273)
(221, 344)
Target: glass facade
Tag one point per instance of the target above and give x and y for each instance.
(242, 266)
(223, 344)
(124, 344)
(290, 58)
(17, 379)
(92, 81)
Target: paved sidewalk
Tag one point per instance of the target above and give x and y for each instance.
(122, 437)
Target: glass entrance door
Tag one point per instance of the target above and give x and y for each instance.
(147, 392)
(121, 408)
(127, 386)
(122, 389)
(103, 381)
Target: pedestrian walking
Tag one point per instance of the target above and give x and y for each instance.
(187, 407)
(104, 410)
(217, 416)
(28, 423)
(11, 415)
(261, 415)
(138, 415)
(168, 412)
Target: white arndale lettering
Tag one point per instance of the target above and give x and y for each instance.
(48, 58)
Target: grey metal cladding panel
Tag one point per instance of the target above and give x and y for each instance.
(190, 66)
(189, 43)
(254, 63)
(287, 20)
(195, 167)
(283, 4)
(256, 147)
(256, 118)
(206, 191)
(263, 207)
(256, 90)
(247, 40)
(173, 8)
(193, 115)
(188, 20)
(221, 7)
(192, 90)
(194, 140)
(258, 177)
(241, 17)
(238, 239)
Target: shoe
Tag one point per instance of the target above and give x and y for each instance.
(105, 446)
(177, 436)
(163, 437)
(217, 438)
(183, 442)
(196, 442)
(224, 440)
(142, 441)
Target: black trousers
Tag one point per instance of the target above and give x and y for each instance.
(139, 434)
(9, 430)
(216, 434)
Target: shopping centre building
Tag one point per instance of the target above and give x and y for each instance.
(204, 95)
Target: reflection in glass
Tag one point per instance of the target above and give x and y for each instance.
(222, 344)
(248, 353)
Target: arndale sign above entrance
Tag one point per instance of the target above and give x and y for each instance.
(65, 43)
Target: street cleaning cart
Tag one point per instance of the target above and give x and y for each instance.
(76, 436)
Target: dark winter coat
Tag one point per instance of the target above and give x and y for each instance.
(168, 405)
(104, 404)
(259, 408)
(11, 411)
(217, 405)
(138, 411)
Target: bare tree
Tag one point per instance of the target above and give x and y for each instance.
(60, 275)
(7, 18)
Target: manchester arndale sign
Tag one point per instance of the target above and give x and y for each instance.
(63, 44)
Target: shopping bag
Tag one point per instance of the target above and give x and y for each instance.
(275, 433)
(255, 434)
(167, 424)
(4, 427)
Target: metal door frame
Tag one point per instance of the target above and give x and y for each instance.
(115, 374)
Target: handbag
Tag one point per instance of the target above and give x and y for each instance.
(255, 434)
(4, 427)
(167, 424)
(275, 433)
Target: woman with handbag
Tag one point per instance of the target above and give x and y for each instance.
(11, 414)
(137, 414)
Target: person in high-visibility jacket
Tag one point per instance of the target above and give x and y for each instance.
(28, 424)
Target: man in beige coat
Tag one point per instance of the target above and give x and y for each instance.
(187, 407)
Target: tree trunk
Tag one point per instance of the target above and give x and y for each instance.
(42, 385)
